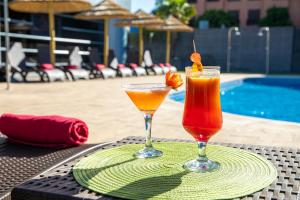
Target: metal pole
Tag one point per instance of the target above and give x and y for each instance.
(106, 42)
(168, 46)
(229, 38)
(268, 51)
(7, 44)
(51, 31)
(228, 48)
(267, 47)
(141, 45)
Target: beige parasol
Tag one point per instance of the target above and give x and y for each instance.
(50, 7)
(171, 24)
(105, 10)
(141, 20)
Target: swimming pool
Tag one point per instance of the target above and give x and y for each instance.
(276, 98)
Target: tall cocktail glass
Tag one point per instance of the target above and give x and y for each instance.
(202, 116)
(147, 98)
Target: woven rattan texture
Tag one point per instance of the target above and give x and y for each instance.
(60, 184)
(19, 163)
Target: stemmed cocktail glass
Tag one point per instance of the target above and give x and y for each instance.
(202, 116)
(147, 98)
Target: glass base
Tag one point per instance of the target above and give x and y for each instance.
(201, 166)
(148, 152)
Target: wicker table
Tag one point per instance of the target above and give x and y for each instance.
(18, 163)
(59, 183)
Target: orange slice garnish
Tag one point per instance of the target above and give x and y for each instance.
(195, 58)
(197, 64)
(173, 80)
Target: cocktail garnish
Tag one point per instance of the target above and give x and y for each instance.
(196, 59)
(173, 80)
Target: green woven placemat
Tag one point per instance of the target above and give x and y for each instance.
(116, 172)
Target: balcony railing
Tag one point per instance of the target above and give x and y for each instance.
(47, 38)
(37, 38)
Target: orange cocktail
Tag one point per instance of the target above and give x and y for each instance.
(202, 116)
(147, 101)
(147, 98)
(202, 113)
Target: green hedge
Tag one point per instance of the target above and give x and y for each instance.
(276, 17)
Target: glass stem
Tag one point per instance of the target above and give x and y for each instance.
(148, 124)
(202, 151)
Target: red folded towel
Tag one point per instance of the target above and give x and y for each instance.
(44, 131)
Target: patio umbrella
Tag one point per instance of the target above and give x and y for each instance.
(105, 10)
(141, 20)
(171, 24)
(49, 7)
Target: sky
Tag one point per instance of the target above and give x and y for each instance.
(146, 5)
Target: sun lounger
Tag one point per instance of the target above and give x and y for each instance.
(74, 69)
(167, 67)
(137, 70)
(98, 69)
(17, 60)
(150, 66)
(121, 69)
(51, 72)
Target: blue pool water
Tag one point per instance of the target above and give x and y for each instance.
(273, 98)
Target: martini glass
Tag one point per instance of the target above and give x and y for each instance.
(147, 98)
(202, 116)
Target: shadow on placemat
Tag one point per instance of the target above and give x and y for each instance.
(130, 188)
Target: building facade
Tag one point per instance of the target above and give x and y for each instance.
(249, 12)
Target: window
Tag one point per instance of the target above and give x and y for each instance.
(235, 14)
(211, 0)
(253, 17)
(192, 1)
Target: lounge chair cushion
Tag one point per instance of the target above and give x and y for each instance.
(161, 65)
(72, 67)
(47, 66)
(99, 66)
(133, 65)
(121, 66)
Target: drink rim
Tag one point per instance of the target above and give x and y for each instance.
(145, 86)
(206, 67)
(208, 71)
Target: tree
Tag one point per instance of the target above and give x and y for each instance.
(276, 17)
(217, 18)
(179, 8)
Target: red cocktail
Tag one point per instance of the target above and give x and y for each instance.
(202, 116)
